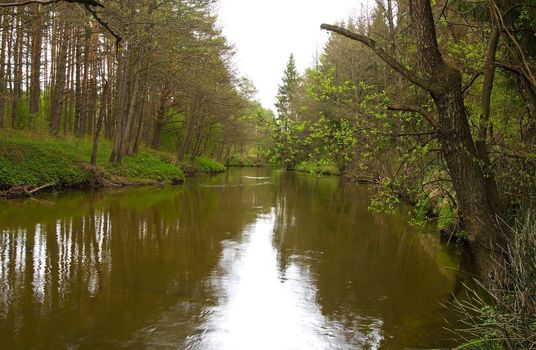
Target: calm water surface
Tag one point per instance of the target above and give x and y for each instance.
(251, 259)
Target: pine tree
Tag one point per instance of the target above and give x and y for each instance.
(287, 91)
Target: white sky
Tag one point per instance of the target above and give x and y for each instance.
(265, 32)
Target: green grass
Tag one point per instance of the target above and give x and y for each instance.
(38, 160)
(318, 168)
(208, 165)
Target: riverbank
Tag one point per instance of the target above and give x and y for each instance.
(31, 161)
(318, 168)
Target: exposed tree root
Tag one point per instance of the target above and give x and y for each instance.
(98, 178)
(22, 191)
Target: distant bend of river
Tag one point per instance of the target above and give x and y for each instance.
(250, 259)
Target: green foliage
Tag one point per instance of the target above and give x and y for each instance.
(288, 147)
(33, 162)
(208, 165)
(447, 216)
(421, 210)
(36, 161)
(288, 90)
(321, 167)
(386, 197)
(145, 166)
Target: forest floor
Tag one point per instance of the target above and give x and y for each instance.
(28, 162)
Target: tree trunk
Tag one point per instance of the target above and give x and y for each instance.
(85, 82)
(92, 82)
(463, 162)
(35, 78)
(484, 121)
(78, 85)
(119, 104)
(459, 151)
(159, 124)
(17, 71)
(98, 126)
(56, 101)
(127, 133)
(3, 80)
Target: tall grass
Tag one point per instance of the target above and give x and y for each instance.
(503, 316)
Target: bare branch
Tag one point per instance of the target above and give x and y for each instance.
(442, 12)
(89, 5)
(510, 68)
(10, 4)
(48, 2)
(416, 109)
(470, 82)
(516, 50)
(381, 53)
(105, 25)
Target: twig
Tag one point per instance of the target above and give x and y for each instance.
(40, 188)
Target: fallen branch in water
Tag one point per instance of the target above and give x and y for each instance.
(24, 191)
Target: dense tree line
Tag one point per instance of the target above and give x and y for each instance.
(433, 102)
(140, 72)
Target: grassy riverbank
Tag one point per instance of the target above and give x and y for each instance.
(318, 168)
(39, 160)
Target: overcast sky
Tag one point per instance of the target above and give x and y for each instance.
(265, 32)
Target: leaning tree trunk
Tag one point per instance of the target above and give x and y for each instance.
(473, 194)
(444, 84)
(476, 205)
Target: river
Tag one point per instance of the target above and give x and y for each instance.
(250, 259)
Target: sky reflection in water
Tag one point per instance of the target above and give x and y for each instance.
(252, 259)
(261, 307)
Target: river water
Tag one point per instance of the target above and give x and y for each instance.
(251, 259)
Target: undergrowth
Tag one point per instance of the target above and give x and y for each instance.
(39, 160)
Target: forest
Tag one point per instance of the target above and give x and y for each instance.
(438, 109)
(430, 103)
(157, 74)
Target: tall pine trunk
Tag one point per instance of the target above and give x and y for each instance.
(35, 78)
(17, 70)
(3, 80)
(56, 102)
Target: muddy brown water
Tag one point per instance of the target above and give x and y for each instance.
(250, 259)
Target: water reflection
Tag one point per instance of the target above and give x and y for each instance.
(253, 259)
(262, 307)
(50, 257)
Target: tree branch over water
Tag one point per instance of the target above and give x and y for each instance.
(416, 109)
(372, 44)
